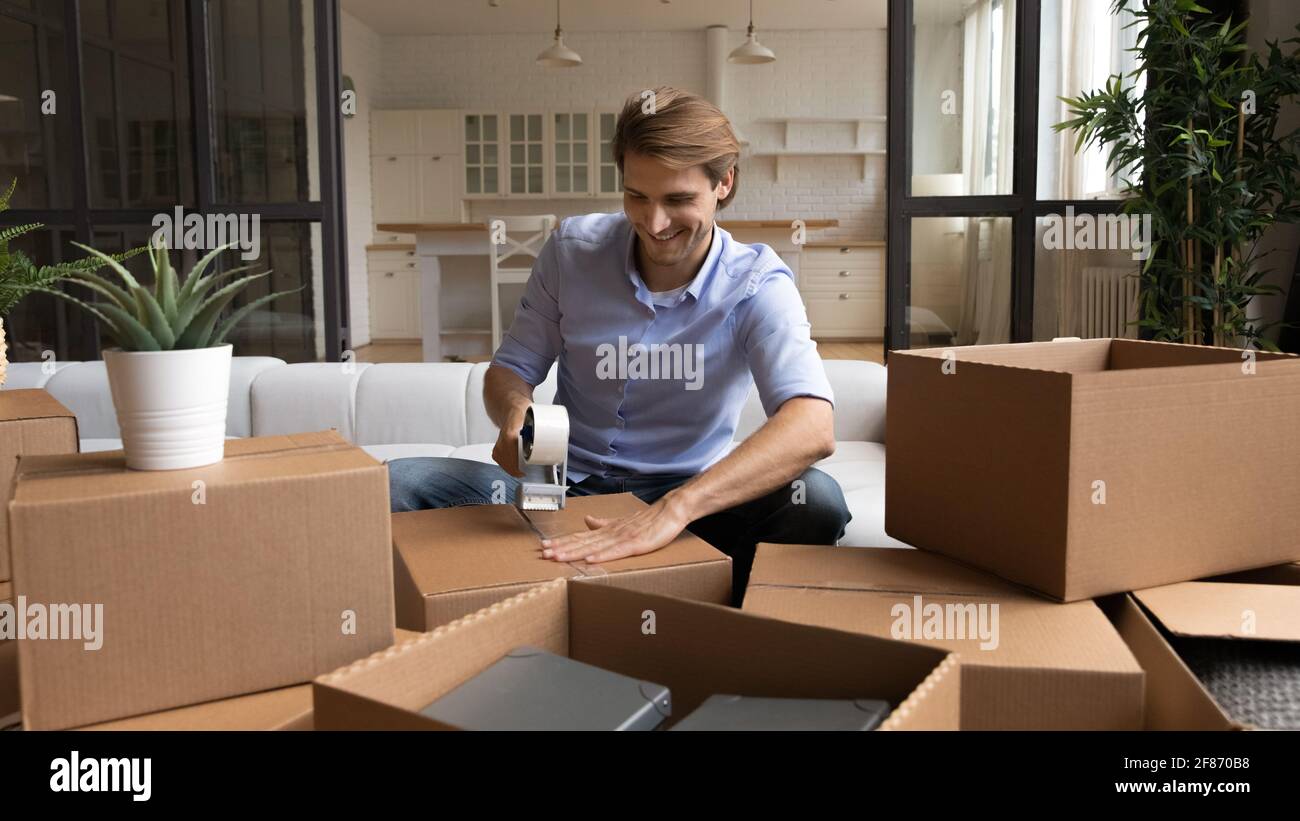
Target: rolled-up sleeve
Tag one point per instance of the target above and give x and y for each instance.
(531, 345)
(777, 340)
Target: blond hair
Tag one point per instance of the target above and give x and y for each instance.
(681, 130)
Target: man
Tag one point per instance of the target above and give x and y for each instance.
(664, 276)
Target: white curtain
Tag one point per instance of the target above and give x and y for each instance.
(988, 107)
(1090, 44)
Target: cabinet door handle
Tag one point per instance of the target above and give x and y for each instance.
(388, 273)
(844, 273)
(410, 265)
(436, 157)
(844, 250)
(844, 296)
(392, 159)
(410, 253)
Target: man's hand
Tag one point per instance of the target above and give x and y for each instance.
(506, 451)
(608, 539)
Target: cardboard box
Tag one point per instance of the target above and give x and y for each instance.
(263, 570)
(449, 563)
(31, 422)
(1261, 609)
(8, 670)
(1087, 467)
(1026, 663)
(693, 648)
(288, 708)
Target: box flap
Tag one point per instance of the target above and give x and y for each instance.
(1075, 356)
(78, 476)
(867, 568)
(30, 403)
(1217, 610)
(1025, 631)
(484, 546)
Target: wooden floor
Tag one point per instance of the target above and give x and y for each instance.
(409, 351)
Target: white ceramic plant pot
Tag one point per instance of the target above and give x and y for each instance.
(171, 405)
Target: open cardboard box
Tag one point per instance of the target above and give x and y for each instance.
(1026, 663)
(1081, 468)
(449, 563)
(261, 571)
(31, 423)
(1261, 606)
(695, 649)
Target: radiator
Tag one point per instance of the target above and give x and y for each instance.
(1110, 303)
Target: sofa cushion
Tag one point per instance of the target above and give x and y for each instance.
(386, 453)
(239, 404)
(19, 375)
(859, 389)
(82, 387)
(413, 402)
(479, 427)
(309, 396)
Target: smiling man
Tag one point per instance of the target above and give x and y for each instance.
(707, 317)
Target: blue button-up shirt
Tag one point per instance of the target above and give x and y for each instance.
(658, 390)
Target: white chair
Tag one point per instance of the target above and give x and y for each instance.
(505, 244)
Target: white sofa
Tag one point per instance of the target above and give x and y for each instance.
(436, 409)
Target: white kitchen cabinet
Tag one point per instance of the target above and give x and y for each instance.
(438, 131)
(395, 195)
(482, 153)
(526, 154)
(439, 188)
(394, 132)
(843, 289)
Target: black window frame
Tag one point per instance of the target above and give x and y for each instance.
(1021, 205)
(191, 37)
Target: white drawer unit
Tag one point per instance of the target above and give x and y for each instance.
(845, 315)
(843, 289)
(394, 284)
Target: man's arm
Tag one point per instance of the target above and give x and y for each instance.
(506, 397)
(800, 434)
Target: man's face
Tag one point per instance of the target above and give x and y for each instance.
(671, 209)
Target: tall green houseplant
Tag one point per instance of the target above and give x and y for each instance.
(1211, 168)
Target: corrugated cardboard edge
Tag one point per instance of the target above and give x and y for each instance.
(935, 704)
(9, 701)
(1175, 699)
(337, 708)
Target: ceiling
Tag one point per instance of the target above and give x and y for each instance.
(517, 16)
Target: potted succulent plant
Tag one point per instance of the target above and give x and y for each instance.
(170, 374)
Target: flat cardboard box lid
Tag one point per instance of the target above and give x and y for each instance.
(1267, 612)
(30, 403)
(853, 588)
(447, 550)
(79, 476)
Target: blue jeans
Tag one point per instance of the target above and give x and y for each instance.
(815, 513)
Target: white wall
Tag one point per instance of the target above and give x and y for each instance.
(826, 73)
(361, 55)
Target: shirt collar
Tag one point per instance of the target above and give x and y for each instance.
(701, 277)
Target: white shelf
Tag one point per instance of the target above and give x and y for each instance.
(863, 153)
(859, 122)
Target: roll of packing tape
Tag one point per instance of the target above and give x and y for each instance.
(545, 435)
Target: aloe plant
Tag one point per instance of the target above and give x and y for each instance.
(176, 314)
